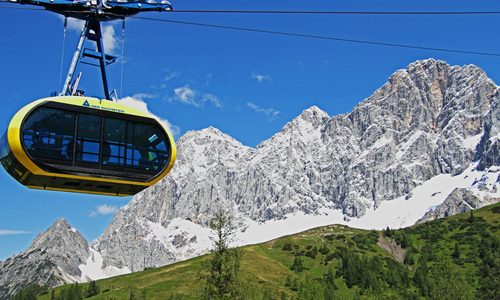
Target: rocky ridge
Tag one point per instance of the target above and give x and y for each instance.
(52, 259)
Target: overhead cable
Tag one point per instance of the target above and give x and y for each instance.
(342, 12)
(314, 12)
(322, 37)
(317, 36)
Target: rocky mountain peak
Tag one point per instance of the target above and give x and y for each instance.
(60, 229)
(313, 117)
(52, 259)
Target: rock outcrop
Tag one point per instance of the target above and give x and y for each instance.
(52, 259)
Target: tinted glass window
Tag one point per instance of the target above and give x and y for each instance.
(88, 138)
(113, 150)
(5, 151)
(146, 147)
(48, 133)
(4, 146)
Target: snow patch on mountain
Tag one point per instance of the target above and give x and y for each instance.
(94, 269)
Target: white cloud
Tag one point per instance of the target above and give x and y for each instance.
(109, 39)
(172, 74)
(186, 95)
(137, 102)
(270, 112)
(189, 96)
(74, 24)
(212, 98)
(260, 78)
(104, 210)
(209, 76)
(12, 232)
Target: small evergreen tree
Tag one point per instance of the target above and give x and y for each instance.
(330, 286)
(297, 265)
(295, 285)
(457, 253)
(91, 290)
(387, 232)
(471, 216)
(314, 252)
(220, 273)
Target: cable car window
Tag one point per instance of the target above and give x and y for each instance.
(5, 157)
(48, 133)
(88, 138)
(113, 149)
(146, 147)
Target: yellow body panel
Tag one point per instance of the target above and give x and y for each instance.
(14, 139)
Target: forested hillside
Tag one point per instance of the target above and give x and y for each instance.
(451, 258)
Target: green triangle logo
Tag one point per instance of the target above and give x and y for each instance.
(86, 103)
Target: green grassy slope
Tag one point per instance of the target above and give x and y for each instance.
(459, 254)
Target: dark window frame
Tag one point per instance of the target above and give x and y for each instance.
(100, 169)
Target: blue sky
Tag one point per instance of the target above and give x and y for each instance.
(247, 84)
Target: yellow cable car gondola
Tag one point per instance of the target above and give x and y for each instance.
(83, 144)
(87, 145)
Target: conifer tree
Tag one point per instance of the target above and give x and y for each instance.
(220, 273)
(457, 253)
(297, 265)
(330, 286)
(91, 290)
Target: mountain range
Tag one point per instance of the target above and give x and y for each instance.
(423, 146)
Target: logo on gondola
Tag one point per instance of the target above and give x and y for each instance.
(87, 104)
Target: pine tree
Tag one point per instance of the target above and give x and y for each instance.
(457, 253)
(421, 277)
(330, 286)
(78, 292)
(91, 290)
(471, 217)
(295, 285)
(314, 252)
(297, 265)
(220, 272)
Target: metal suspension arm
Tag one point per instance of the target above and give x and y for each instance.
(76, 58)
(91, 31)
